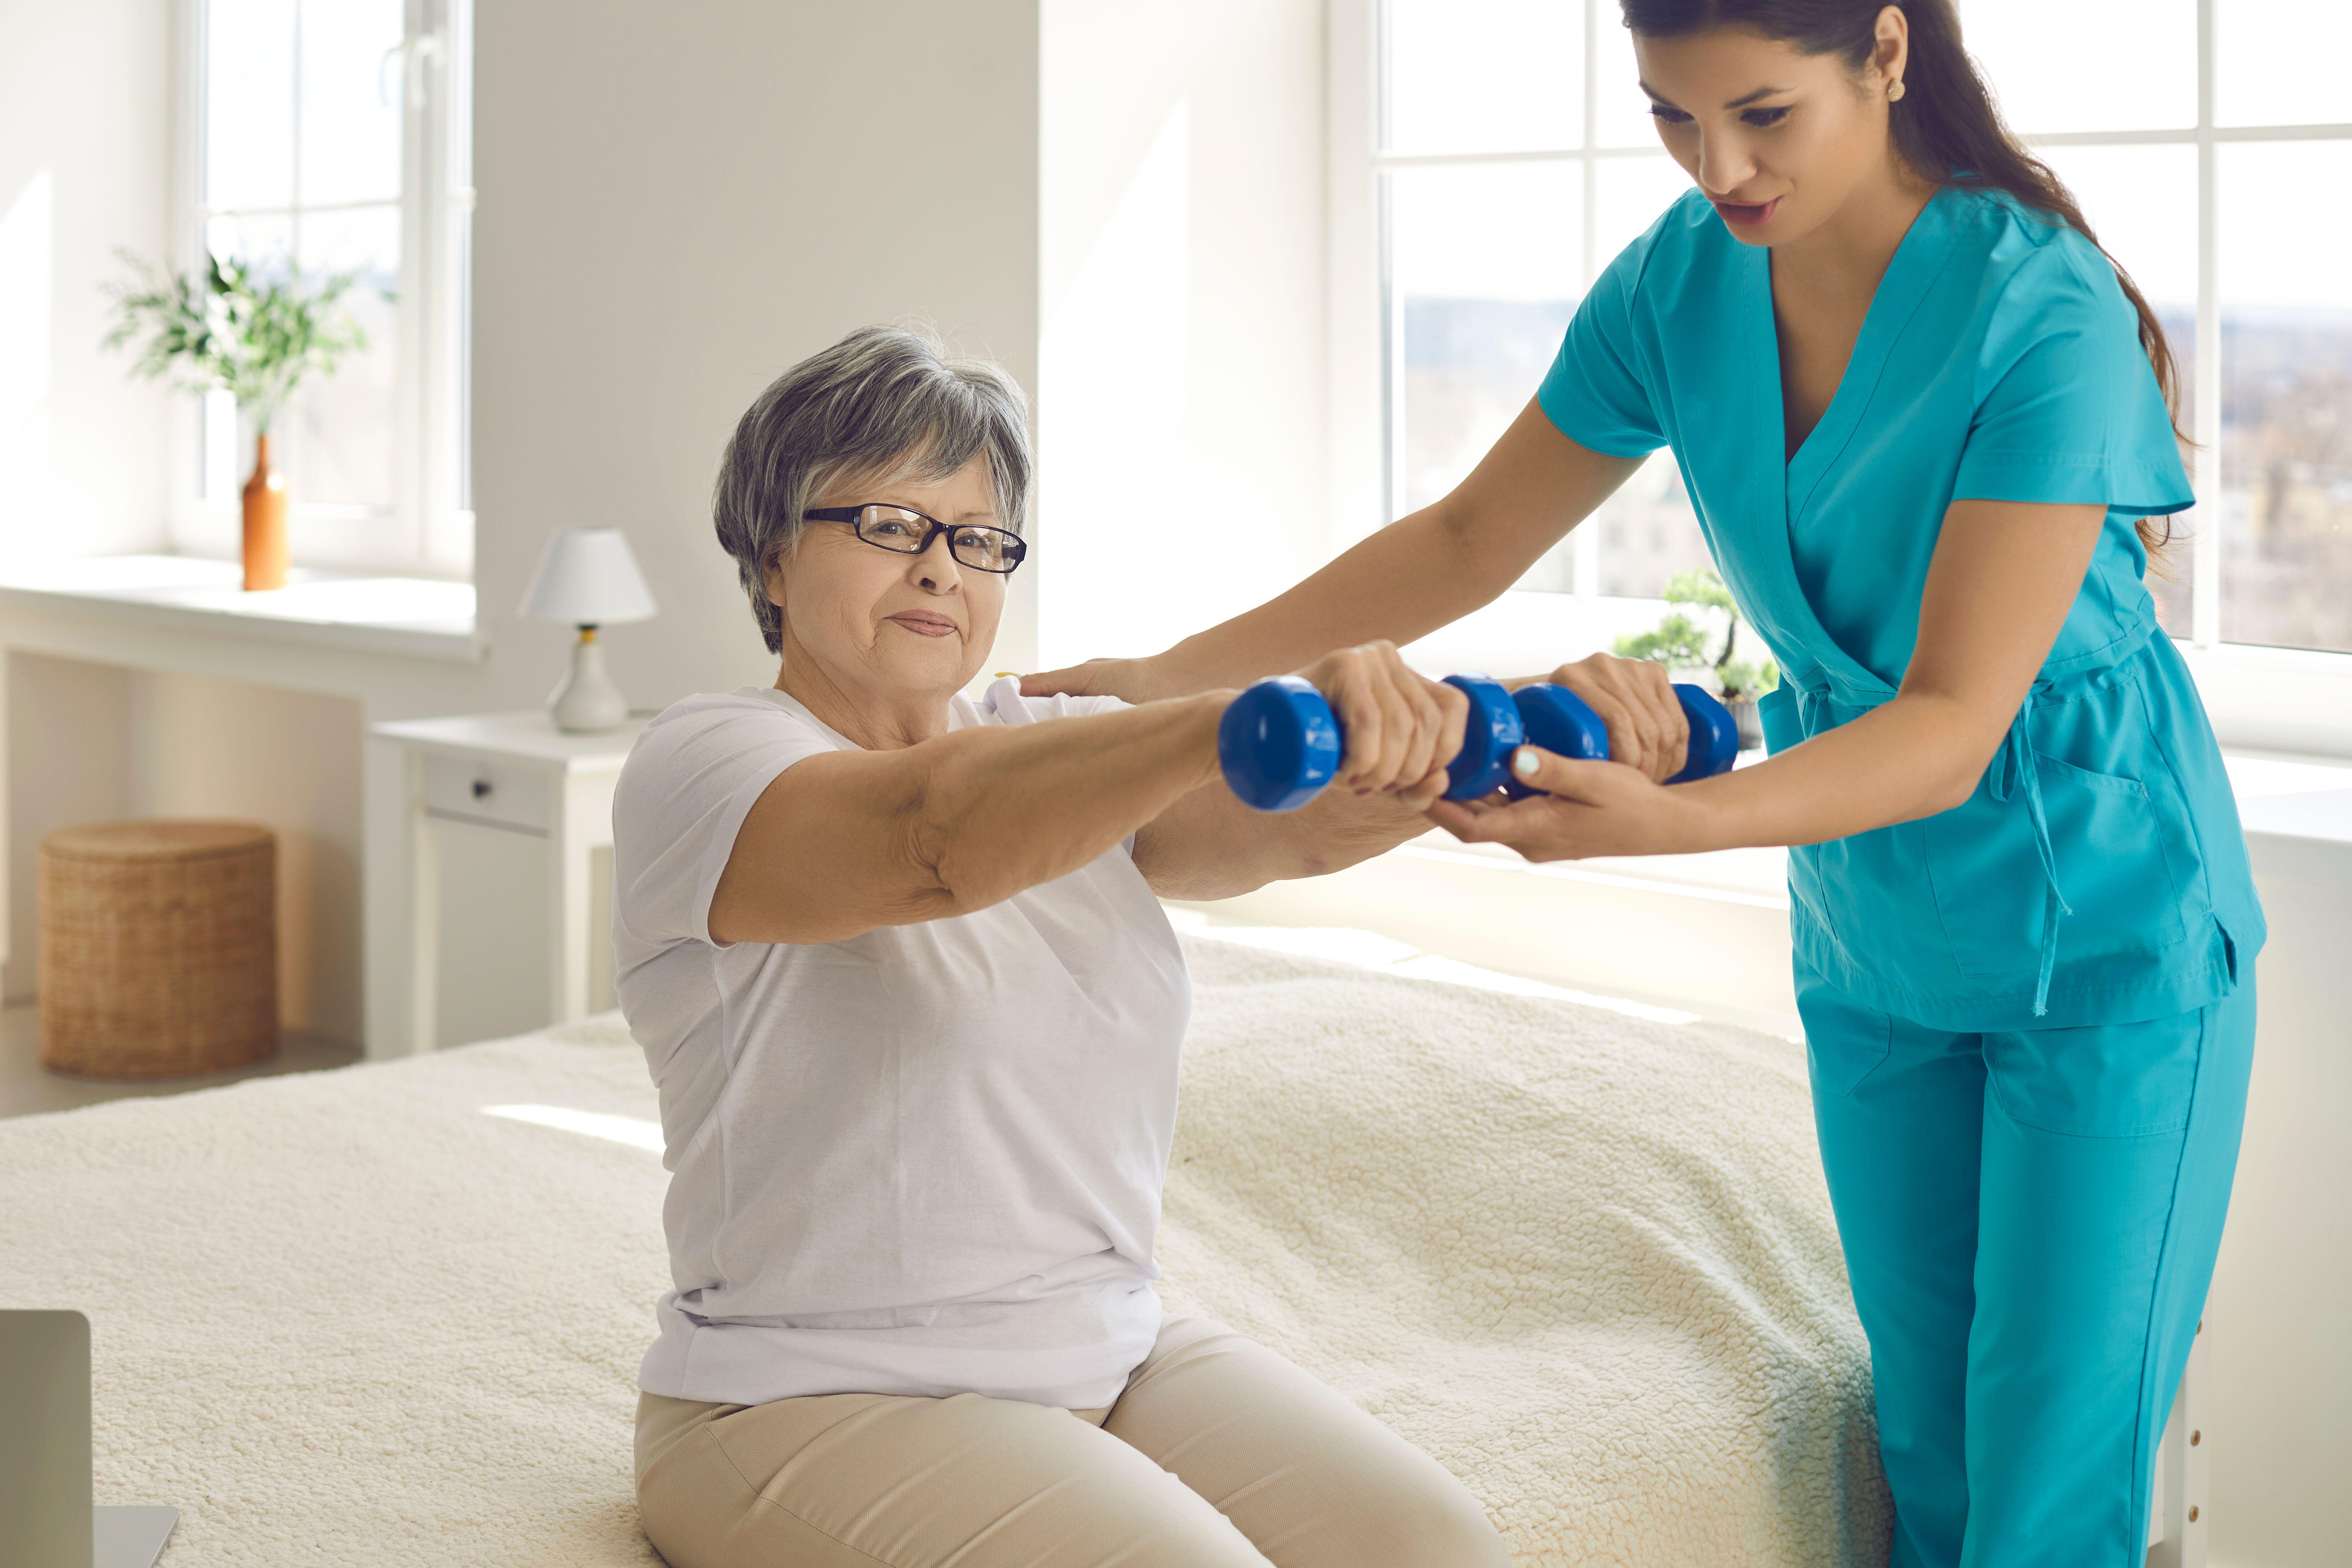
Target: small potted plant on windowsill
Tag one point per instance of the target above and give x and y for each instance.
(257, 338)
(1681, 645)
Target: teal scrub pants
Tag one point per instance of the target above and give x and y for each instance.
(2030, 1222)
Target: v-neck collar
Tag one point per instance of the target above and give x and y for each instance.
(1919, 258)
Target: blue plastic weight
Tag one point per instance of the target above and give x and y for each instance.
(1714, 736)
(1495, 730)
(1279, 743)
(1559, 721)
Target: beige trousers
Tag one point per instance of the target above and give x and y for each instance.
(1219, 1454)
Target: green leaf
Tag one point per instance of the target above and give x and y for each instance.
(1700, 587)
(232, 328)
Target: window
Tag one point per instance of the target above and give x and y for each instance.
(1515, 158)
(330, 135)
(1511, 156)
(2204, 152)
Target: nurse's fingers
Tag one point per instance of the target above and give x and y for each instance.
(1539, 829)
(1569, 778)
(1587, 808)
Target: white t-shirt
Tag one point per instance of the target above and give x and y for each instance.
(924, 1161)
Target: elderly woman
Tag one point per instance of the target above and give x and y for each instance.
(898, 970)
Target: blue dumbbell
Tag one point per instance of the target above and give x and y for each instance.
(1556, 719)
(1279, 742)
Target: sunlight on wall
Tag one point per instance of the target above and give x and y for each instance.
(1111, 411)
(26, 228)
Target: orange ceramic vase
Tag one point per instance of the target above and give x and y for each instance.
(265, 523)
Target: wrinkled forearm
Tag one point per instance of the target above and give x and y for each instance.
(1002, 810)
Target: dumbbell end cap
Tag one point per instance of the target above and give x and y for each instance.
(1714, 735)
(1279, 745)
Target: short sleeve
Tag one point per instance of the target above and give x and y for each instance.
(683, 794)
(1003, 704)
(1594, 393)
(2068, 410)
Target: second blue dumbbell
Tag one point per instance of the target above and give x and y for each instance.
(1280, 744)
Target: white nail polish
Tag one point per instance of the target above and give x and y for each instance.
(1525, 761)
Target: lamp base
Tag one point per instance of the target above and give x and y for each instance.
(587, 702)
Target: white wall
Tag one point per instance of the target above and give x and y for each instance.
(673, 207)
(1180, 403)
(84, 163)
(1120, 201)
(670, 212)
(71, 721)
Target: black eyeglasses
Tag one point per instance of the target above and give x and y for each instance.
(907, 531)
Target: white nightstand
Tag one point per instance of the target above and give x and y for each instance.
(516, 773)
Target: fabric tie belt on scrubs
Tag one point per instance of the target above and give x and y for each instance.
(2017, 760)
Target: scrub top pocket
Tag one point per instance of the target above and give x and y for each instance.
(2120, 847)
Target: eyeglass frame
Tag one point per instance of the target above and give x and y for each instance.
(849, 514)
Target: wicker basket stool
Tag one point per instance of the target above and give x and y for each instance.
(158, 948)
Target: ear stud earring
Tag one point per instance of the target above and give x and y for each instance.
(1895, 90)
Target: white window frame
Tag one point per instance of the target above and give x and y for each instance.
(2279, 700)
(428, 531)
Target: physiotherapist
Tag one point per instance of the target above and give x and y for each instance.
(1923, 421)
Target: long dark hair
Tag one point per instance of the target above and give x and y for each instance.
(1945, 125)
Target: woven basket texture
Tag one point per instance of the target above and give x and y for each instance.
(158, 948)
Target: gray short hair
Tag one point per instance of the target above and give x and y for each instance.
(887, 402)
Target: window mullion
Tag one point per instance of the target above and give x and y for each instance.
(2205, 549)
(412, 489)
(1584, 544)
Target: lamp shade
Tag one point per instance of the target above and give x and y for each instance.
(587, 576)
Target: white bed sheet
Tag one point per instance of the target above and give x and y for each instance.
(1585, 1258)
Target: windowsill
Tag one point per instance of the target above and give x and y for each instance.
(2288, 700)
(2296, 812)
(416, 617)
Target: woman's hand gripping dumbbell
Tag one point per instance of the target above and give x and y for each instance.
(1401, 729)
(1280, 743)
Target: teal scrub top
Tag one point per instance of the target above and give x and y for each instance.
(2097, 873)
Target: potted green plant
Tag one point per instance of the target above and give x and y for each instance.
(254, 336)
(1681, 644)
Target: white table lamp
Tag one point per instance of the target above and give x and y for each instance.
(587, 578)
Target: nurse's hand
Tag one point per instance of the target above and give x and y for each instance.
(1134, 680)
(1648, 731)
(1587, 808)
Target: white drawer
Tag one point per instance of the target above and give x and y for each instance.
(480, 790)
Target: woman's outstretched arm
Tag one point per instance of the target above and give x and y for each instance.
(841, 843)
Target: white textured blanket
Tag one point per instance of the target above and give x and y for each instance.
(1584, 1259)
